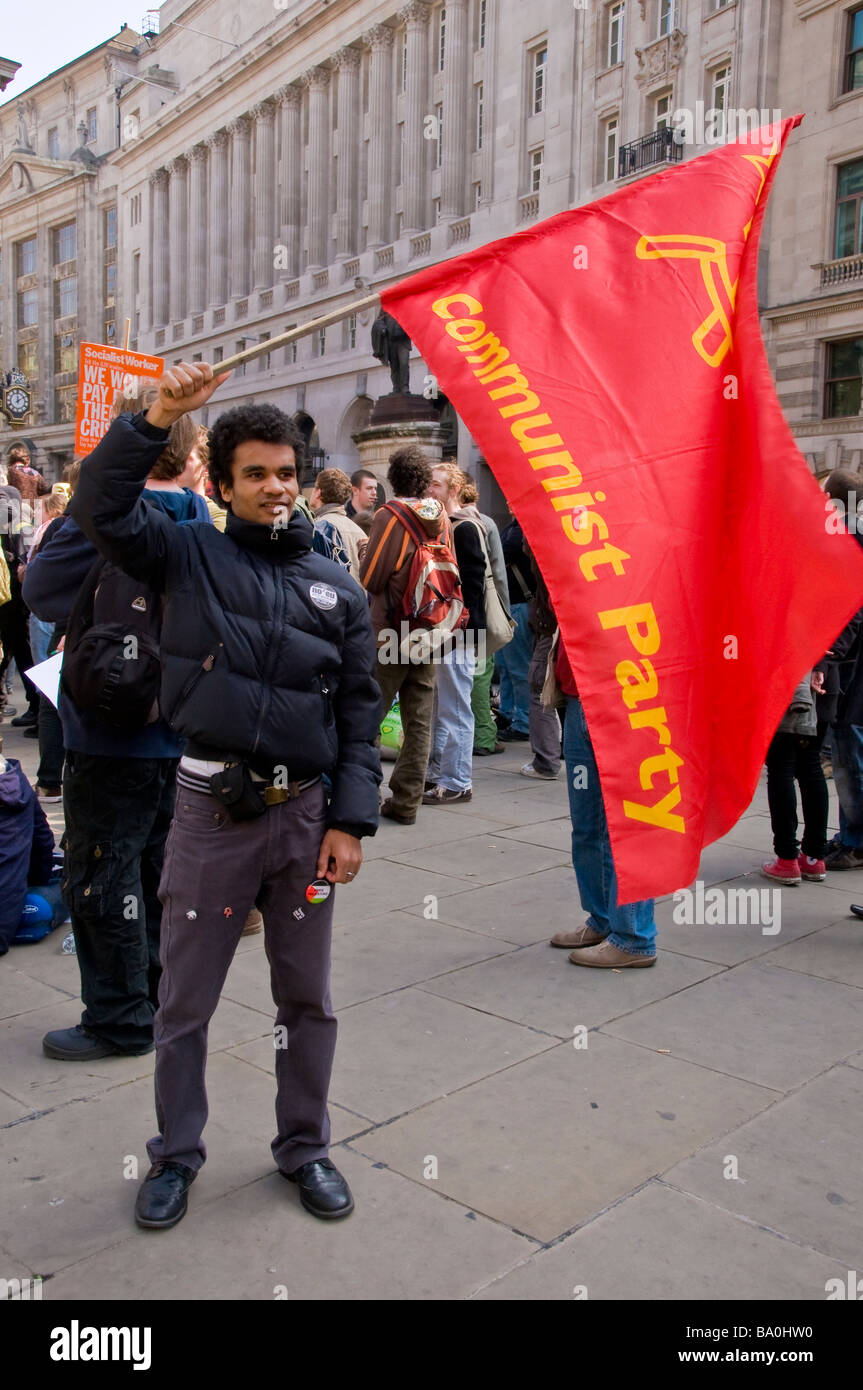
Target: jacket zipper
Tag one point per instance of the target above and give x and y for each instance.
(206, 665)
(272, 654)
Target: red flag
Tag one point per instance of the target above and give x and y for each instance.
(609, 363)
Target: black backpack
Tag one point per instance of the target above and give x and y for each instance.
(111, 666)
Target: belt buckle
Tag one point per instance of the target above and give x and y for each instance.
(274, 796)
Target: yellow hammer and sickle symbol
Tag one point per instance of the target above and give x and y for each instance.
(714, 272)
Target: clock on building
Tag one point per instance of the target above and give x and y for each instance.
(16, 398)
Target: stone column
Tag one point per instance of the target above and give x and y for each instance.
(159, 258)
(318, 80)
(219, 222)
(264, 116)
(381, 126)
(198, 217)
(178, 204)
(414, 194)
(456, 110)
(348, 63)
(290, 174)
(240, 132)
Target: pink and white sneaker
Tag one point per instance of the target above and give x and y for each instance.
(783, 871)
(813, 870)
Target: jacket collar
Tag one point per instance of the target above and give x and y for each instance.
(277, 543)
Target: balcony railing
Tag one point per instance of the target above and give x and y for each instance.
(659, 147)
(458, 231)
(528, 207)
(842, 271)
(420, 245)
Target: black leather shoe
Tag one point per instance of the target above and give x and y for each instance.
(857, 909)
(77, 1045)
(25, 720)
(323, 1190)
(163, 1195)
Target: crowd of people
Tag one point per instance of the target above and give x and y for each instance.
(230, 652)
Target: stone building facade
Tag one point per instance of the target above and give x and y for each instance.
(254, 166)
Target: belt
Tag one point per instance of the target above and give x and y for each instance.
(273, 795)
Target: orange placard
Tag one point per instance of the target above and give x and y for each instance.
(102, 372)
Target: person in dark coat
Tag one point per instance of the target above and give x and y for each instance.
(846, 488)
(268, 663)
(26, 847)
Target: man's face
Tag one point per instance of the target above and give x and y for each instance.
(439, 485)
(264, 483)
(365, 496)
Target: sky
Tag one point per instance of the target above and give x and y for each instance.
(42, 38)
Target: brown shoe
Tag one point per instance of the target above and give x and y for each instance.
(254, 923)
(391, 814)
(609, 957)
(585, 936)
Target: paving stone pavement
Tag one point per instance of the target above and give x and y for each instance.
(512, 1128)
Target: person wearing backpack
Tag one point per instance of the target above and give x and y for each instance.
(120, 772)
(332, 490)
(385, 572)
(449, 779)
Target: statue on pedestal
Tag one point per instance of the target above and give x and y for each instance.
(390, 344)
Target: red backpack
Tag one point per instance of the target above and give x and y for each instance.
(433, 599)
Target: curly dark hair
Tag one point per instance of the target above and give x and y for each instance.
(410, 472)
(264, 422)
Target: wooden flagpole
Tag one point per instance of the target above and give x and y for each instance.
(301, 331)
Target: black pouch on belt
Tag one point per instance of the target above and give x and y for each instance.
(233, 788)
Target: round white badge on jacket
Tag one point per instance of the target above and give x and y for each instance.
(323, 596)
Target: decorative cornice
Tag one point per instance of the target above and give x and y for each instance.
(415, 12)
(379, 36)
(290, 95)
(347, 59)
(264, 110)
(316, 78)
(811, 311)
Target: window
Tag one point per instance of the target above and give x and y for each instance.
(134, 209)
(842, 393)
(849, 210)
(136, 275)
(64, 353)
(66, 297)
(611, 137)
(218, 354)
(536, 169)
(441, 38)
(436, 210)
(854, 52)
(264, 359)
(109, 227)
(28, 308)
(240, 369)
(321, 342)
(351, 333)
(540, 60)
(26, 257)
(720, 90)
(110, 330)
(290, 348)
(615, 35)
(438, 157)
(65, 243)
(668, 17)
(53, 143)
(92, 124)
(478, 109)
(481, 19)
(28, 360)
(662, 111)
(110, 286)
(477, 195)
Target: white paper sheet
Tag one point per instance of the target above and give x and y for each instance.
(46, 677)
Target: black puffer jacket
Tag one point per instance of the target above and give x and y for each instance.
(267, 647)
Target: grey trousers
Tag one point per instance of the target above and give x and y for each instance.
(544, 723)
(215, 871)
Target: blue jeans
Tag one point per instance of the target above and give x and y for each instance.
(631, 927)
(40, 638)
(513, 663)
(450, 764)
(848, 780)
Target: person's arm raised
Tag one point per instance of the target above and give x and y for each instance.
(107, 504)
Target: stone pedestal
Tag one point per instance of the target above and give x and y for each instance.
(395, 422)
